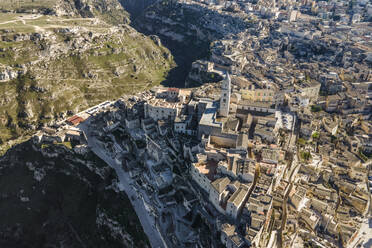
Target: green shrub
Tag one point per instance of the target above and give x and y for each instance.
(301, 141)
(315, 135)
(305, 155)
(316, 108)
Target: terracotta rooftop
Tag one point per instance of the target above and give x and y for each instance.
(75, 120)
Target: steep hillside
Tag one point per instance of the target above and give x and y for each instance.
(52, 197)
(54, 65)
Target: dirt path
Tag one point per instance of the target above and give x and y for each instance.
(22, 19)
(38, 28)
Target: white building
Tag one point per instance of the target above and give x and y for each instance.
(235, 202)
(199, 172)
(229, 237)
(216, 192)
(293, 15)
(356, 18)
(160, 109)
(168, 93)
(225, 96)
(284, 121)
(182, 125)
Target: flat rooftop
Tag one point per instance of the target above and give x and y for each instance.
(163, 103)
(208, 168)
(209, 117)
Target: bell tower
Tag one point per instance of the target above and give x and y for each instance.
(225, 96)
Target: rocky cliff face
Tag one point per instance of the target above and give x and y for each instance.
(109, 10)
(52, 197)
(54, 65)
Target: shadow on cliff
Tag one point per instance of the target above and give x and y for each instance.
(184, 55)
(188, 16)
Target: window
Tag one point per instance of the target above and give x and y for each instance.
(224, 100)
(224, 94)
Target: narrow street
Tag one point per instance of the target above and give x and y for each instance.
(365, 233)
(294, 169)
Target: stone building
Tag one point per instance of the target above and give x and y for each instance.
(225, 96)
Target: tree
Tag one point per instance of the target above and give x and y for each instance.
(315, 135)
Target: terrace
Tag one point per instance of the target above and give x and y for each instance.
(208, 168)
